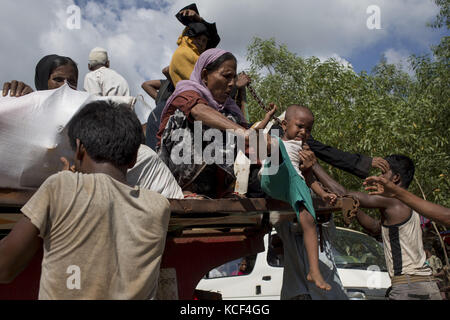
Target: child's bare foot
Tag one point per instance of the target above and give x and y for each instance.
(318, 281)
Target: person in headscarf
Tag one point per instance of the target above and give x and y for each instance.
(51, 73)
(206, 98)
(53, 70)
(197, 37)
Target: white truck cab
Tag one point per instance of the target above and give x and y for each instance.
(359, 259)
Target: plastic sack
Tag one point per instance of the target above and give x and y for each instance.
(150, 172)
(33, 134)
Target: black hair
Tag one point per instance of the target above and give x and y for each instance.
(289, 110)
(110, 132)
(213, 66)
(403, 166)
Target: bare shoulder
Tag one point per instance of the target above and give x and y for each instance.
(397, 212)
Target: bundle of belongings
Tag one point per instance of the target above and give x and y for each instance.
(33, 138)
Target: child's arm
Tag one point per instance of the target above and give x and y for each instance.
(267, 118)
(315, 186)
(17, 249)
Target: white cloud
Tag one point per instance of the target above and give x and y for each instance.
(338, 59)
(141, 41)
(322, 28)
(400, 59)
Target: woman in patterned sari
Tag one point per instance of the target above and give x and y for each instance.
(205, 99)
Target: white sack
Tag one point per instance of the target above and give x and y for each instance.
(151, 172)
(33, 135)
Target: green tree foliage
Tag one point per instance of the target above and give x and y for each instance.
(377, 114)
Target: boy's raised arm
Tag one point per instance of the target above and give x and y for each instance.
(17, 249)
(267, 117)
(435, 212)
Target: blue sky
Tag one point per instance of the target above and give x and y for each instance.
(140, 35)
(367, 58)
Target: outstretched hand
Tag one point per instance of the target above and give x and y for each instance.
(307, 157)
(330, 198)
(377, 185)
(381, 164)
(191, 14)
(273, 109)
(16, 88)
(242, 80)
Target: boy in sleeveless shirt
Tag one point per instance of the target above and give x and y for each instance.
(399, 226)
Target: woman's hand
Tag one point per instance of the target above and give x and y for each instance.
(191, 14)
(242, 80)
(16, 88)
(273, 109)
(263, 123)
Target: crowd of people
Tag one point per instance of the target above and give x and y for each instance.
(109, 214)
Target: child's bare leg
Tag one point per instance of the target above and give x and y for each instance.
(312, 249)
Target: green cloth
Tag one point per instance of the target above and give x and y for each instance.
(287, 185)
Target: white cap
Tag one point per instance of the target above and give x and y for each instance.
(98, 55)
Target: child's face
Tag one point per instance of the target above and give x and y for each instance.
(200, 42)
(298, 126)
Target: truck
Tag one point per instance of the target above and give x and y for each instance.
(206, 233)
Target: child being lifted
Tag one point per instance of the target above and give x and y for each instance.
(289, 184)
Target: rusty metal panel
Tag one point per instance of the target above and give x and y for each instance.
(195, 212)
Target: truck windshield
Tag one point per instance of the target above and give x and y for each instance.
(353, 250)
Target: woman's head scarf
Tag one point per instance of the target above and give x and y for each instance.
(195, 83)
(44, 69)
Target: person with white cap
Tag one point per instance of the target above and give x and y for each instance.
(102, 80)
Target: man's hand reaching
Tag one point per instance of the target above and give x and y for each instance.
(380, 186)
(307, 157)
(381, 164)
